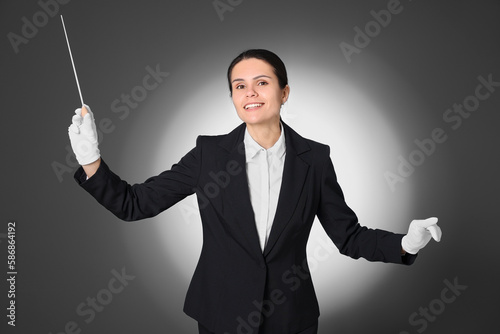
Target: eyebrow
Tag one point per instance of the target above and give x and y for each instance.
(255, 78)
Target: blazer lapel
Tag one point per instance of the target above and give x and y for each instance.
(294, 176)
(236, 200)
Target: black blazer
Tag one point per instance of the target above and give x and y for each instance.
(234, 278)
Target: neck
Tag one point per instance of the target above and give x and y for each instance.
(266, 135)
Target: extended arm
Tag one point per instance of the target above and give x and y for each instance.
(354, 240)
(129, 202)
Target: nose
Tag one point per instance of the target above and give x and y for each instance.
(251, 92)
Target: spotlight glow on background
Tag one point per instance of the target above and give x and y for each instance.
(370, 110)
(322, 107)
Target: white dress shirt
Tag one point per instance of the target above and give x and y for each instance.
(264, 171)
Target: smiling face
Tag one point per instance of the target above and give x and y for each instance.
(256, 92)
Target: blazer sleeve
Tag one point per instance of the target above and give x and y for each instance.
(144, 200)
(341, 224)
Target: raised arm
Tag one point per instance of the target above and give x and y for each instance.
(128, 202)
(83, 136)
(91, 168)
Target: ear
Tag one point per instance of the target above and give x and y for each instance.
(286, 93)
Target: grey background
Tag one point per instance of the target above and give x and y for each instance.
(369, 111)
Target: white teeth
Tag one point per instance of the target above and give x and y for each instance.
(253, 105)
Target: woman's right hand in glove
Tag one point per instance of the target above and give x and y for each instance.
(84, 142)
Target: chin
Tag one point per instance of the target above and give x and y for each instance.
(255, 120)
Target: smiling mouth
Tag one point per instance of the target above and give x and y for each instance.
(253, 106)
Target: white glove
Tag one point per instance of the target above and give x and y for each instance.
(420, 233)
(83, 136)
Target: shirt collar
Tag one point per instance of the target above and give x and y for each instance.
(252, 147)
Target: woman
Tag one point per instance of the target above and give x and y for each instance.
(259, 189)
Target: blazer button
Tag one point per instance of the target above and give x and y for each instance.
(263, 266)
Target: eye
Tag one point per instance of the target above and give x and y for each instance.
(239, 86)
(262, 83)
